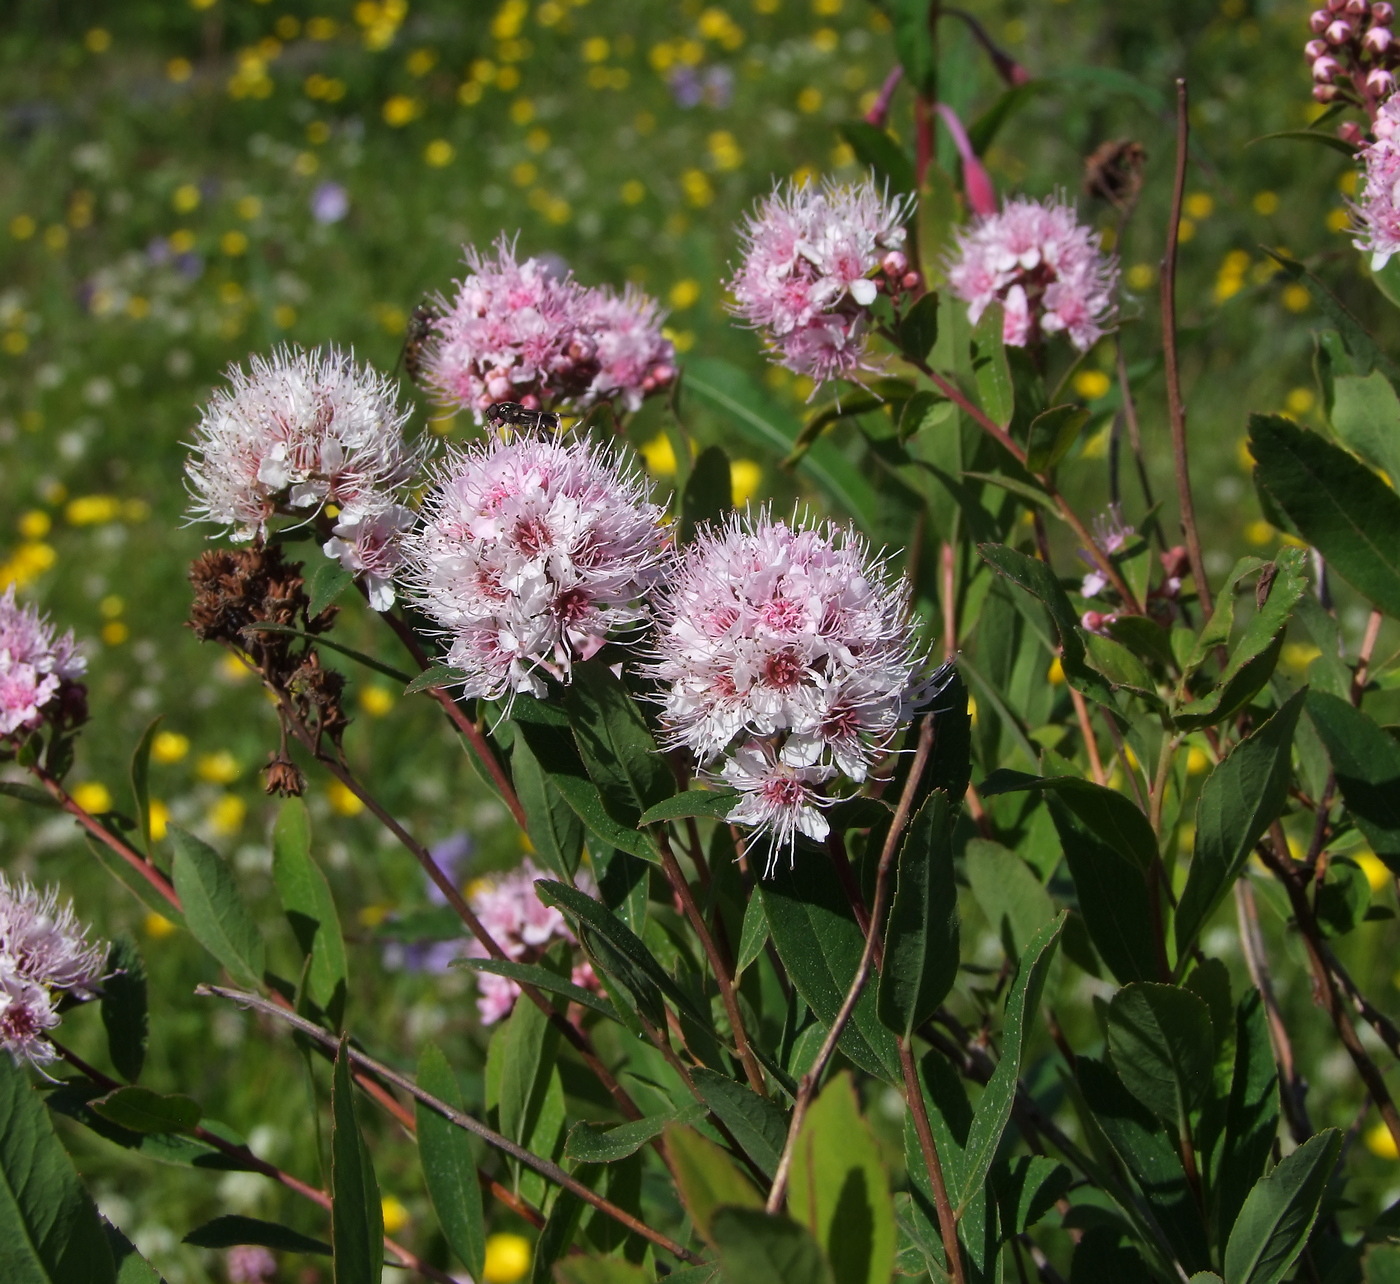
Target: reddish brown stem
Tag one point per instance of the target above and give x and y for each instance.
(947, 1224)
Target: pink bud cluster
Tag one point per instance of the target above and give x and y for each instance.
(1353, 52)
(44, 956)
(524, 927)
(532, 552)
(39, 671)
(301, 431)
(815, 260)
(1043, 266)
(529, 333)
(1112, 535)
(788, 666)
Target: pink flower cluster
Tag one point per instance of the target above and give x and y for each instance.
(39, 671)
(298, 432)
(44, 955)
(788, 663)
(1043, 266)
(527, 333)
(1377, 211)
(524, 927)
(1353, 52)
(532, 552)
(815, 259)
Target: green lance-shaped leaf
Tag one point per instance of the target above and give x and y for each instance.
(758, 1125)
(1006, 889)
(49, 1229)
(1039, 581)
(878, 150)
(357, 1217)
(449, 1164)
(327, 582)
(921, 936)
(141, 1110)
(753, 935)
(816, 935)
(556, 832)
(755, 1246)
(547, 731)
(618, 751)
(1366, 761)
(1366, 418)
(230, 1230)
(994, 1107)
(1365, 354)
(1052, 433)
(131, 1267)
(918, 328)
(707, 1179)
(913, 43)
(1113, 898)
(124, 1013)
(709, 492)
(434, 676)
(309, 907)
(141, 782)
(1033, 1185)
(1109, 815)
(214, 912)
(712, 804)
(1255, 654)
(590, 1143)
(1336, 503)
(542, 979)
(1238, 802)
(1251, 1115)
(1274, 1224)
(840, 1190)
(1160, 1039)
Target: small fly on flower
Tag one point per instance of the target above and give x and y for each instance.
(512, 412)
(417, 333)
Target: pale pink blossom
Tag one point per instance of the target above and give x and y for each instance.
(524, 927)
(533, 552)
(301, 431)
(1043, 266)
(250, 1264)
(44, 955)
(815, 259)
(529, 333)
(1376, 213)
(788, 666)
(36, 666)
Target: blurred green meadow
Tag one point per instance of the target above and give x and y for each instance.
(182, 184)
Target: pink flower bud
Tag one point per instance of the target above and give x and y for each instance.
(1377, 40)
(1324, 93)
(1336, 6)
(894, 264)
(1317, 23)
(1382, 14)
(1380, 83)
(911, 281)
(1356, 8)
(1350, 133)
(1314, 49)
(1325, 69)
(1339, 32)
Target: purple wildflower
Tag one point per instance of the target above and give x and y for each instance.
(1377, 212)
(533, 552)
(330, 203)
(250, 1264)
(814, 262)
(39, 671)
(1043, 266)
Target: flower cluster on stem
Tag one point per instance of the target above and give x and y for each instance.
(533, 551)
(788, 664)
(39, 671)
(1353, 53)
(301, 431)
(815, 260)
(44, 956)
(524, 927)
(1043, 266)
(529, 333)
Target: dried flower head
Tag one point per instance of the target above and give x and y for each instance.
(814, 261)
(1043, 266)
(44, 955)
(39, 670)
(524, 927)
(532, 553)
(299, 431)
(789, 664)
(529, 333)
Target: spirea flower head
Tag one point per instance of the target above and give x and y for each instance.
(524, 927)
(789, 664)
(1377, 211)
(532, 552)
(44, 955)
(1043, 266)
(814, 261)
(529, 333)
(39, 670)
(296, 432)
